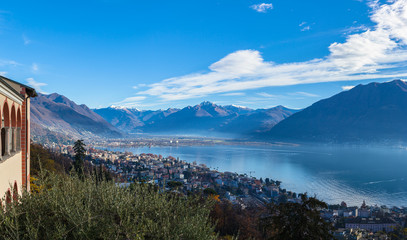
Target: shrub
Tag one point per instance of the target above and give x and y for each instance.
(66, 207)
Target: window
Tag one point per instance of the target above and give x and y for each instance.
(10, 130)
(18, 142)
(3, 141)
(13, 129)
(5, 149)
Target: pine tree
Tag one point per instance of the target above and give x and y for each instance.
(79, 148)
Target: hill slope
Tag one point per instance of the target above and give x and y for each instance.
(372, 112)
(56, 115)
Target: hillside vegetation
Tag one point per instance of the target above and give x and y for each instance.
(66, 207)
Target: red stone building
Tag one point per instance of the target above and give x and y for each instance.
(15, 136)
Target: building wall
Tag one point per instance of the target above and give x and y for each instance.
(25, 140)
(375, 227)
(10, 172)
(13, 165)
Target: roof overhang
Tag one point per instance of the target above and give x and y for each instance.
(29, 90)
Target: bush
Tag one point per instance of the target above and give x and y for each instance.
(66, 207)
(48, 160)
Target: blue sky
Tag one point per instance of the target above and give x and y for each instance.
(160, 54)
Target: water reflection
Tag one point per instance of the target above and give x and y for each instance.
(334, 174)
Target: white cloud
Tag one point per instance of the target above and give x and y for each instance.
(305, 94)
(26, 40)
(9, 63)
(346, 88)
(37, 85)
(129, 102)
(355, 29)
(266, 95)
(141, 85)
(234, 94)
(3, 73)
(133, 99)
(304, 26)
(262, 7)
(34, 67)
(378, 52)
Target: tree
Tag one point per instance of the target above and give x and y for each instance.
(79, 148)
(174, 184)
(50, 161)
(296, 221)
(282, 198)
(399, 233)
(233, 220)
(210, 191)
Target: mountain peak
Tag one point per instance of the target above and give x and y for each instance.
(116, 107)
(400, 83)
(207, 103)
(123, 108)
(241, 107)
(369, 112)
(59, 115)
(281, 107)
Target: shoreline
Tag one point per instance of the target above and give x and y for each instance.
(216, 168)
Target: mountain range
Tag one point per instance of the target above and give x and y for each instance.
(365, 113)
(376, 112)
(206, 119)
(54, 116)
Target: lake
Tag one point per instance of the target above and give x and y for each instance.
(334, 174)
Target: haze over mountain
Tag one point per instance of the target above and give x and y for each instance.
(206, 119)
(55, 115)
(376, 112)
(373, 112)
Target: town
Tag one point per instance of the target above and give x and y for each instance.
(173, 174)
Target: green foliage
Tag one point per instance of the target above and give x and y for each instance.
(292, 221)
(102, 174)
(79, 163)
(210, 191)
(67, 207)
(399, 233)
(174, 184)
(48, 160)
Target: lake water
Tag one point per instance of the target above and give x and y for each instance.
(334, 174)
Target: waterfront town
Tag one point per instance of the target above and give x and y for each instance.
(173, 174)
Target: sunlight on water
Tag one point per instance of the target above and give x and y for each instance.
(334, 174)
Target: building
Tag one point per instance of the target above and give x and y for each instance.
(371, 224)
(15, 137)
(363, 211)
